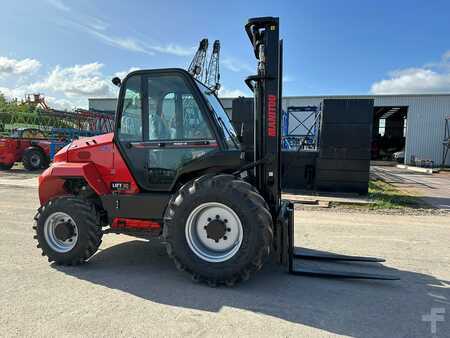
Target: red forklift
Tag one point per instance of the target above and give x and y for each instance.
(29, 145)
(175, 168)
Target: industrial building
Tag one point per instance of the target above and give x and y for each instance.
(417, 120)
(415, 123)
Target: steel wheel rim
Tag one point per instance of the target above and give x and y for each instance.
(35, 160)
(206, 248)
(52, 240)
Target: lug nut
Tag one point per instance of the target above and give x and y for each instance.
(209, 219)
(225, 220)
(225, 237)
(228, 229)
(217, 216)
(204, 227)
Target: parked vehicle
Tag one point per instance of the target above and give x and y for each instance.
(27, 145)
(399, 156)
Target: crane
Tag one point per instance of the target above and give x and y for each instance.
(196, 68)
(212, 80)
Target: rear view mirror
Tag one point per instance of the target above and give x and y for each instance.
(116, 81)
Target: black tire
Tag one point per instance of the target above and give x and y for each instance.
(34, 159)
(87, 220)
(253, 213)
(6, 166)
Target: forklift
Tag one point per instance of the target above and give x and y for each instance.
(174, 168)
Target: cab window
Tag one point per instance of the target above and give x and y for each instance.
(173, 111)
(130, 128)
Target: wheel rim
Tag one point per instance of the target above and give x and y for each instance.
(54, 238)
(214, 232)
(35, 160)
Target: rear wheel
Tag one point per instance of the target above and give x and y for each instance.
(34, 159)
(6, 166)
(68, 230)
(218, 229)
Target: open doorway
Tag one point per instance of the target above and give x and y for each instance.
(389, 133)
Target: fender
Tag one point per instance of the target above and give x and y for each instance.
(51, 181)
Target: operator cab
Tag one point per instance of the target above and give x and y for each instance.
(169, 126)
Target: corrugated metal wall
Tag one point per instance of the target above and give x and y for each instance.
(425, 121)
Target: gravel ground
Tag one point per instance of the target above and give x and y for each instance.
(131, 288)
(356, 209)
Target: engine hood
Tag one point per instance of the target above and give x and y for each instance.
(74, 151)
(91, 141)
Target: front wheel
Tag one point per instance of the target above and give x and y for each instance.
(67, 230)
(34, 159)
(218, 229)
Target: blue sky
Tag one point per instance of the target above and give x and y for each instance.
(69, 50)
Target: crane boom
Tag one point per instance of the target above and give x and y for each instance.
(213, 73)
(197, 66)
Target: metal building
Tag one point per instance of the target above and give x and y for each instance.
(103, 105)
(420, 118)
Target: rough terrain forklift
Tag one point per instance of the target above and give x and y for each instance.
(175, 168)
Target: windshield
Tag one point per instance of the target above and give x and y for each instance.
(14, 133)
(221, 116)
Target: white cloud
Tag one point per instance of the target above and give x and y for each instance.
(64, 87)
(79, 80)
(174, 50)
(97, 28)
(18, 67)
(55, 103)
(61, 104)
(124, 73)
(446, 56)
(236, 65)
(13, 93)
(431, 78)
(127, 43)
(58, 4)
(225, 92)
(136, 45)
(97, 24)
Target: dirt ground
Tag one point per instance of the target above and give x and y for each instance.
(433, 189)
(131, 288)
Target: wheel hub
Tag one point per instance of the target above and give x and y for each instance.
(64, 231)
(61, 232)
(216, 229)
(214, 232)
(35, 160)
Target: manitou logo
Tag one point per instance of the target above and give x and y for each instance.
(272, 116)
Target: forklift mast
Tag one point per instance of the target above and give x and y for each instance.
(267, 88)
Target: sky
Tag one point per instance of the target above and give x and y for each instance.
(70, 50)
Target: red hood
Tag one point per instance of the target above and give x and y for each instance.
(83, 143)
(91, 141)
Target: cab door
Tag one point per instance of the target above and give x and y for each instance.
(129, 126)
(162, 127)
